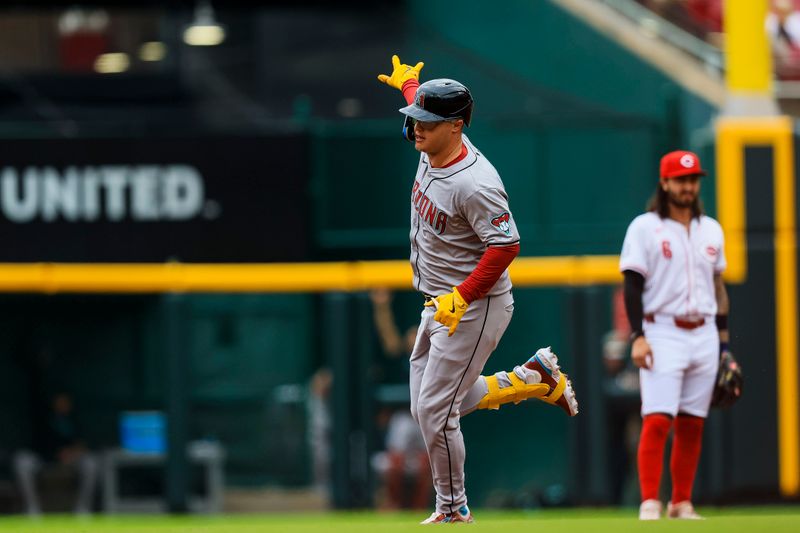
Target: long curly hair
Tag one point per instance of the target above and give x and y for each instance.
(659, 204)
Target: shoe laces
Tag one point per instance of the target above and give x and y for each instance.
(548, 359)
(528, 375)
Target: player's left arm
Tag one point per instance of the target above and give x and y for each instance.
(494, 261)
(721, 294)
(488, 213)
(450, 307)
(723, 307)
(730, 381)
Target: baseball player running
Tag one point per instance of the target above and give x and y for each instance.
(463, 238)
(672, 260)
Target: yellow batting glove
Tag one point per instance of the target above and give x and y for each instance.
(400, 73)
(450, 308)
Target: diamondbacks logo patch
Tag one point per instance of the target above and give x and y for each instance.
(501, 222)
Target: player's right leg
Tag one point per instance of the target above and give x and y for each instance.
(453, 364)
(660, 391)
(650, 460)
(540, 377)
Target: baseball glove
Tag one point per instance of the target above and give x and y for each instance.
(730, 381)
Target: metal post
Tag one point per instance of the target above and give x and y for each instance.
(595, 305)
(578, 436)
(336, 325)
(363, 398)
(177, 468)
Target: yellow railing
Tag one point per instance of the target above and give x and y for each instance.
(277, 277)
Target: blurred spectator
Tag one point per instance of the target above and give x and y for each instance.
(706, 13)
(404, 466)
(701, 18)
(675, 11)
(621, 390)
(394, 367)
(319, 428)
(704, 19)
(57, 443)
(783, 27)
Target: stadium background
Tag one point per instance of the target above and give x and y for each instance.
(299, 153)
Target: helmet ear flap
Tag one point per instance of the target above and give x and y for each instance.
(408, 129)
(468, 114)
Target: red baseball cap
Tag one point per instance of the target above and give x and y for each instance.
(681, 163)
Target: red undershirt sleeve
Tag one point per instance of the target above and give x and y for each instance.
(410, 90)
(494, 262)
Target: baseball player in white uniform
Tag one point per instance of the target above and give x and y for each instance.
(463, 237)
(672, 259)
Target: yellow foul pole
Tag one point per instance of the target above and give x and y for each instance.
(748, 60)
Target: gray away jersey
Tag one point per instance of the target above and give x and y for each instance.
(456, 213)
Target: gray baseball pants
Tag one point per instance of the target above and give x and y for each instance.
(444, 371)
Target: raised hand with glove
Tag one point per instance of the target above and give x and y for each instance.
(401, 73)
(450, 309)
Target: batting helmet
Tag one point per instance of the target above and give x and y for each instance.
(437, 101)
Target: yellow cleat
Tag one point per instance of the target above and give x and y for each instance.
(517, 392)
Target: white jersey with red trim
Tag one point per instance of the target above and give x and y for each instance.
(456, 212)
(678, 265)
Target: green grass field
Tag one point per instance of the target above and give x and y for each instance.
(777, 519)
